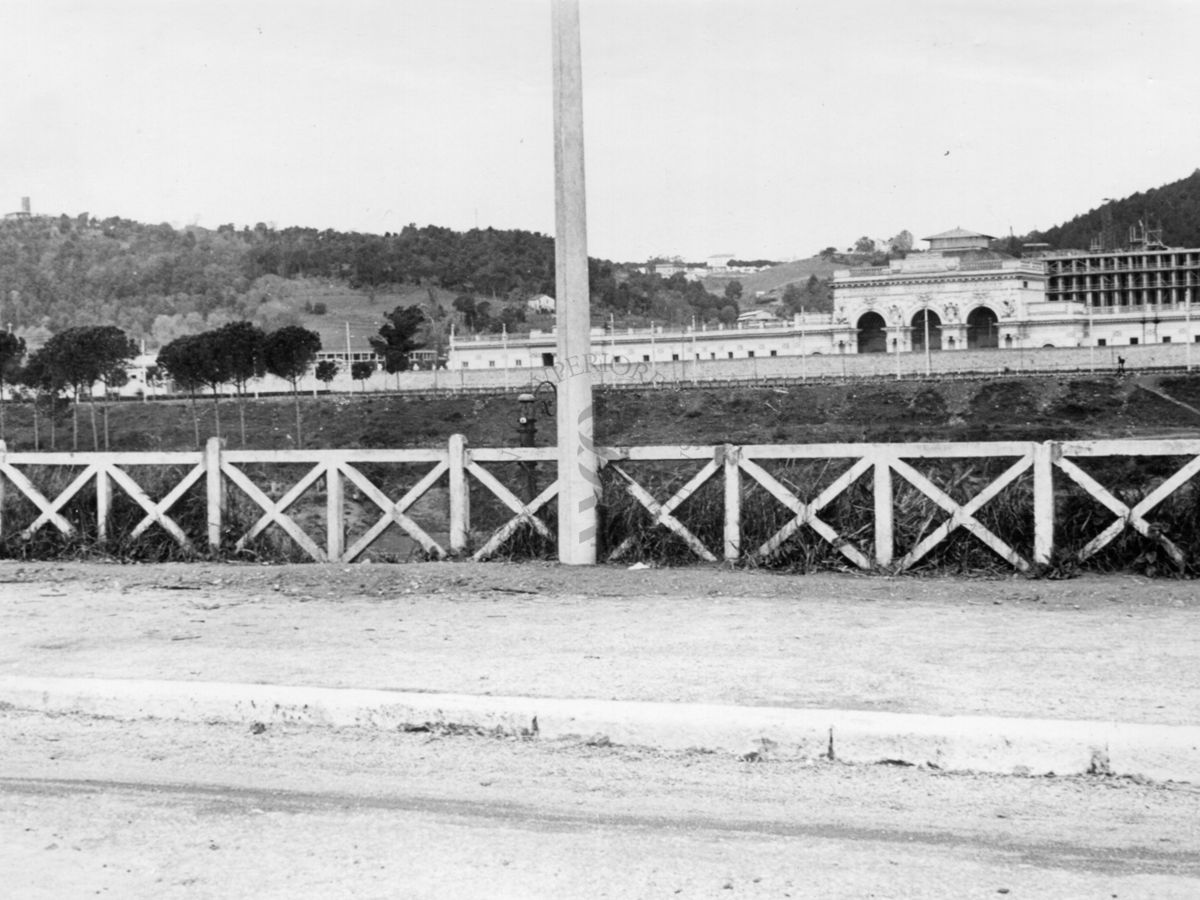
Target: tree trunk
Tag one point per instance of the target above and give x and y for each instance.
(95, 431)
(296, 397)
(242, 413)
(37, 432)
(217, 410)
(75, 422)
(104, 415)
(195, 421)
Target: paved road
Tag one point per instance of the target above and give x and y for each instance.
(161, 809)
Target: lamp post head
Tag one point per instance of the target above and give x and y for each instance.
(527, 409)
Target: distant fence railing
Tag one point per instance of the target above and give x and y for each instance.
(335, 505)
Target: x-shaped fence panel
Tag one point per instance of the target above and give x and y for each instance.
(524, 512)
(961, 515)
(807, 514)
(805, 496)
(103, 470)
(663, 514)
(334, 470)
(156, 512)
(393, 512)
(1130, 517)
(883, 461)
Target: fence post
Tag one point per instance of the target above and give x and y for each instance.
(733, 502)
(884, 511)
(335, 512)
(3, 454)
(215, 495)
(103, 503)
(1044, 455)
(460, 495)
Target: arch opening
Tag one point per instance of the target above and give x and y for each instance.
(872, 333)
(918, 330)
(983, 329)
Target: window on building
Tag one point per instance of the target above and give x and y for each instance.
(645, 357)
(731, 354)
(1102, 342)
(520, 362)
(547, 360)
(1167, 339)
(712, 356)
(750, 354)
(491, 364)
(1133, 342)
(774, 353)
(466, 365)
(674, 357)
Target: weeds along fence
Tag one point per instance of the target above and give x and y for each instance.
(969, 507)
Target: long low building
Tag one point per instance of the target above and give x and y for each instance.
(958, 296)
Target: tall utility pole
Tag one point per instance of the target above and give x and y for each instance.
(928, 350)
(1187, 318)
(578, 472)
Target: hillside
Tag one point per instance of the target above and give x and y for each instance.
(1174, 207)
(768, 285)
(156, 282)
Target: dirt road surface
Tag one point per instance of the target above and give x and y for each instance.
(1119, 648)
(93, 807)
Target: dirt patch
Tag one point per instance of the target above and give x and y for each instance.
(1054, 649)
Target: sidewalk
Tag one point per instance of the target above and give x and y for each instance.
(1093, 650)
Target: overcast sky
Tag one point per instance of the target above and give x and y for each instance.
(754, 127)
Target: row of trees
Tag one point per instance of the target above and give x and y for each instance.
(235, 354)
(72, 362)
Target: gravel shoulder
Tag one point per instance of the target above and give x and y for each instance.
(1120, 648)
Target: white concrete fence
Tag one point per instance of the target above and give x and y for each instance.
(45, 490)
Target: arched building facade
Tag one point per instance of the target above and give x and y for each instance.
(961, 297)
(958, 296)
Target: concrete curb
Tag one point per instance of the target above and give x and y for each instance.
(975, 743)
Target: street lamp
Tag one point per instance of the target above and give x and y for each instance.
(527, 428)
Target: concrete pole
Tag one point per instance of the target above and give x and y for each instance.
(928, 352)
(1091, 332)
(578, 478)
(896, 345)
(1187, 316)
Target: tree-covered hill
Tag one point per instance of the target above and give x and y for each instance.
(1174, 207)
(60, 272)
(157, 282)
